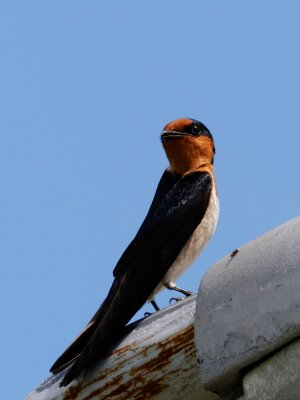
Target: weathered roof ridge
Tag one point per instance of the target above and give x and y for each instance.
(246, 311)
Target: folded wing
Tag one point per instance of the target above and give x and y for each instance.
(177, 209)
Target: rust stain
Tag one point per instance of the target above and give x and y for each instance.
(122, 350)
(127, 391)
(73, 392)
(145, 381)
(166, 349)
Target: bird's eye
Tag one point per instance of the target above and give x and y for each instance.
(196, 130)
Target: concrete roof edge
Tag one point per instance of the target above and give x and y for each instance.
(248, 305)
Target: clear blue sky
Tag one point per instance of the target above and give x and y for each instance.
(85, 89)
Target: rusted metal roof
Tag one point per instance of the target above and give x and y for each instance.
(157, 360)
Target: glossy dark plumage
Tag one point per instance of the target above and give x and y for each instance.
(181, 202)
(167, 227)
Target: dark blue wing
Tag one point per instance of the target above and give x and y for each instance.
(178, 207)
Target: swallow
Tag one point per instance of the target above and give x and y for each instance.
(181, 219)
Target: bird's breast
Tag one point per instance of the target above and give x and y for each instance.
(194, 245)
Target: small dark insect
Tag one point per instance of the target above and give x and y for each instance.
(234, 253)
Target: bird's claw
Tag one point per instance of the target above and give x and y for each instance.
(147, 314)
(175, 299)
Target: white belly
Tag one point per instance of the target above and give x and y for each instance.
(194, 245)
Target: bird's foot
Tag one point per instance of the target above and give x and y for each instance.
(156, 308)
(187, 293)
(153, 302)
(176, 299)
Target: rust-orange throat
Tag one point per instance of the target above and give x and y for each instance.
(189, 146)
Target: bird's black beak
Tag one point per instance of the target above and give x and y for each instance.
(169, 135)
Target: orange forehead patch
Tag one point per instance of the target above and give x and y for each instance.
(178, 124)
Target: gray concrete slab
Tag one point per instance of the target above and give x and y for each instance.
(278, 378)
(248, 305)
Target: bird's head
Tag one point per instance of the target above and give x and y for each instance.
(188, 144)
